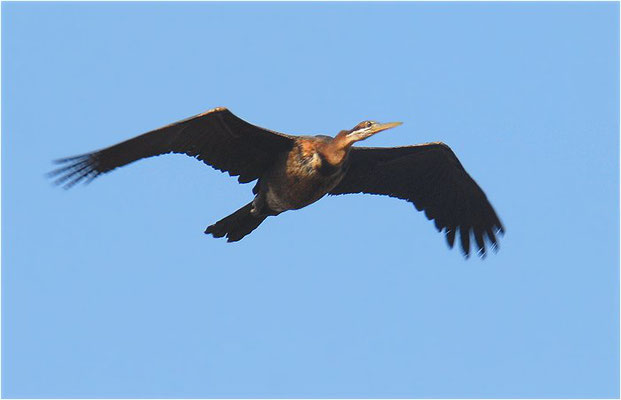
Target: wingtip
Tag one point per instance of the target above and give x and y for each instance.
(68, 159)
(450, 237)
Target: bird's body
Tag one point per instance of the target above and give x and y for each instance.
(295, 171)
(303, 175)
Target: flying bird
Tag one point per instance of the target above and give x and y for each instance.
(295, 171)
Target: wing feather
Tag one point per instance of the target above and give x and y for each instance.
(217, 137)
(432, 178)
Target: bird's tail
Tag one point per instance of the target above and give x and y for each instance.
(236, 225)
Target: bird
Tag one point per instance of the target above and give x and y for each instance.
(292, 172)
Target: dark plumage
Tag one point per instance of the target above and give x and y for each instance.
(294, 171)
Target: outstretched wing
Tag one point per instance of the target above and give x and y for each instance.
(216, 137)
(431, 177)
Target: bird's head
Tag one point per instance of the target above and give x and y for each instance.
(366, 129)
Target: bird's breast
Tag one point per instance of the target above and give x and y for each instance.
(302, 178)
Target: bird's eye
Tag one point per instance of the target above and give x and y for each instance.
(369, 124)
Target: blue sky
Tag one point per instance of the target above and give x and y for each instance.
(113, 290)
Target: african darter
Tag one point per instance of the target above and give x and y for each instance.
(295, 171)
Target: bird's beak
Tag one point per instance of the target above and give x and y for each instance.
(364, 133)
(382, 127)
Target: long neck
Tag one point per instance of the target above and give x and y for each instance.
(337, 150)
